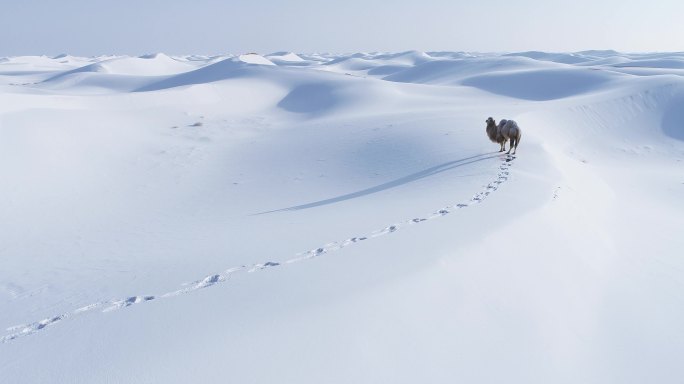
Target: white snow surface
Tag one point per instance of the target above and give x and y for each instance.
(328, 218)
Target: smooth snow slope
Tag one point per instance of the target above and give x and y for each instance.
(341, 219)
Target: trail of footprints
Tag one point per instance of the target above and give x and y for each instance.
(116, 304)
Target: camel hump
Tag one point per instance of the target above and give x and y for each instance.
(513, 129)
(509, 124)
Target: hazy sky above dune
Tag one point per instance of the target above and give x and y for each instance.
(91, 27)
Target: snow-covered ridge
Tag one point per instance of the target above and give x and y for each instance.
(123, 73)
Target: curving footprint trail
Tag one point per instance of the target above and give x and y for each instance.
(18, 331)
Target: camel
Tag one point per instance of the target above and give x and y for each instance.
(506, 130)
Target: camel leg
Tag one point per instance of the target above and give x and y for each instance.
(514, 146)
(517, 141)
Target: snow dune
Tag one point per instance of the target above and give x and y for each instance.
(541, 84)
(253, 58)
(452, 72)
(285, 57)
(295, 217)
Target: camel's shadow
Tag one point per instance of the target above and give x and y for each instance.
(394, 183)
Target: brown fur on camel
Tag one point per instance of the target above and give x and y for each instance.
(494, 135)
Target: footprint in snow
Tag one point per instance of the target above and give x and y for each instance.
(208, 281)
(49, 321)
(258, 267)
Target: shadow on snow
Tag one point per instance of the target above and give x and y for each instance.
(392, 184)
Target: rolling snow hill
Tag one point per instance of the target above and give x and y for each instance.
(326, 218)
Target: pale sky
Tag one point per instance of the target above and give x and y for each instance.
(134, 27)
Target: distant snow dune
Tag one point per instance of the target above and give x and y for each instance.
(341, 218)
